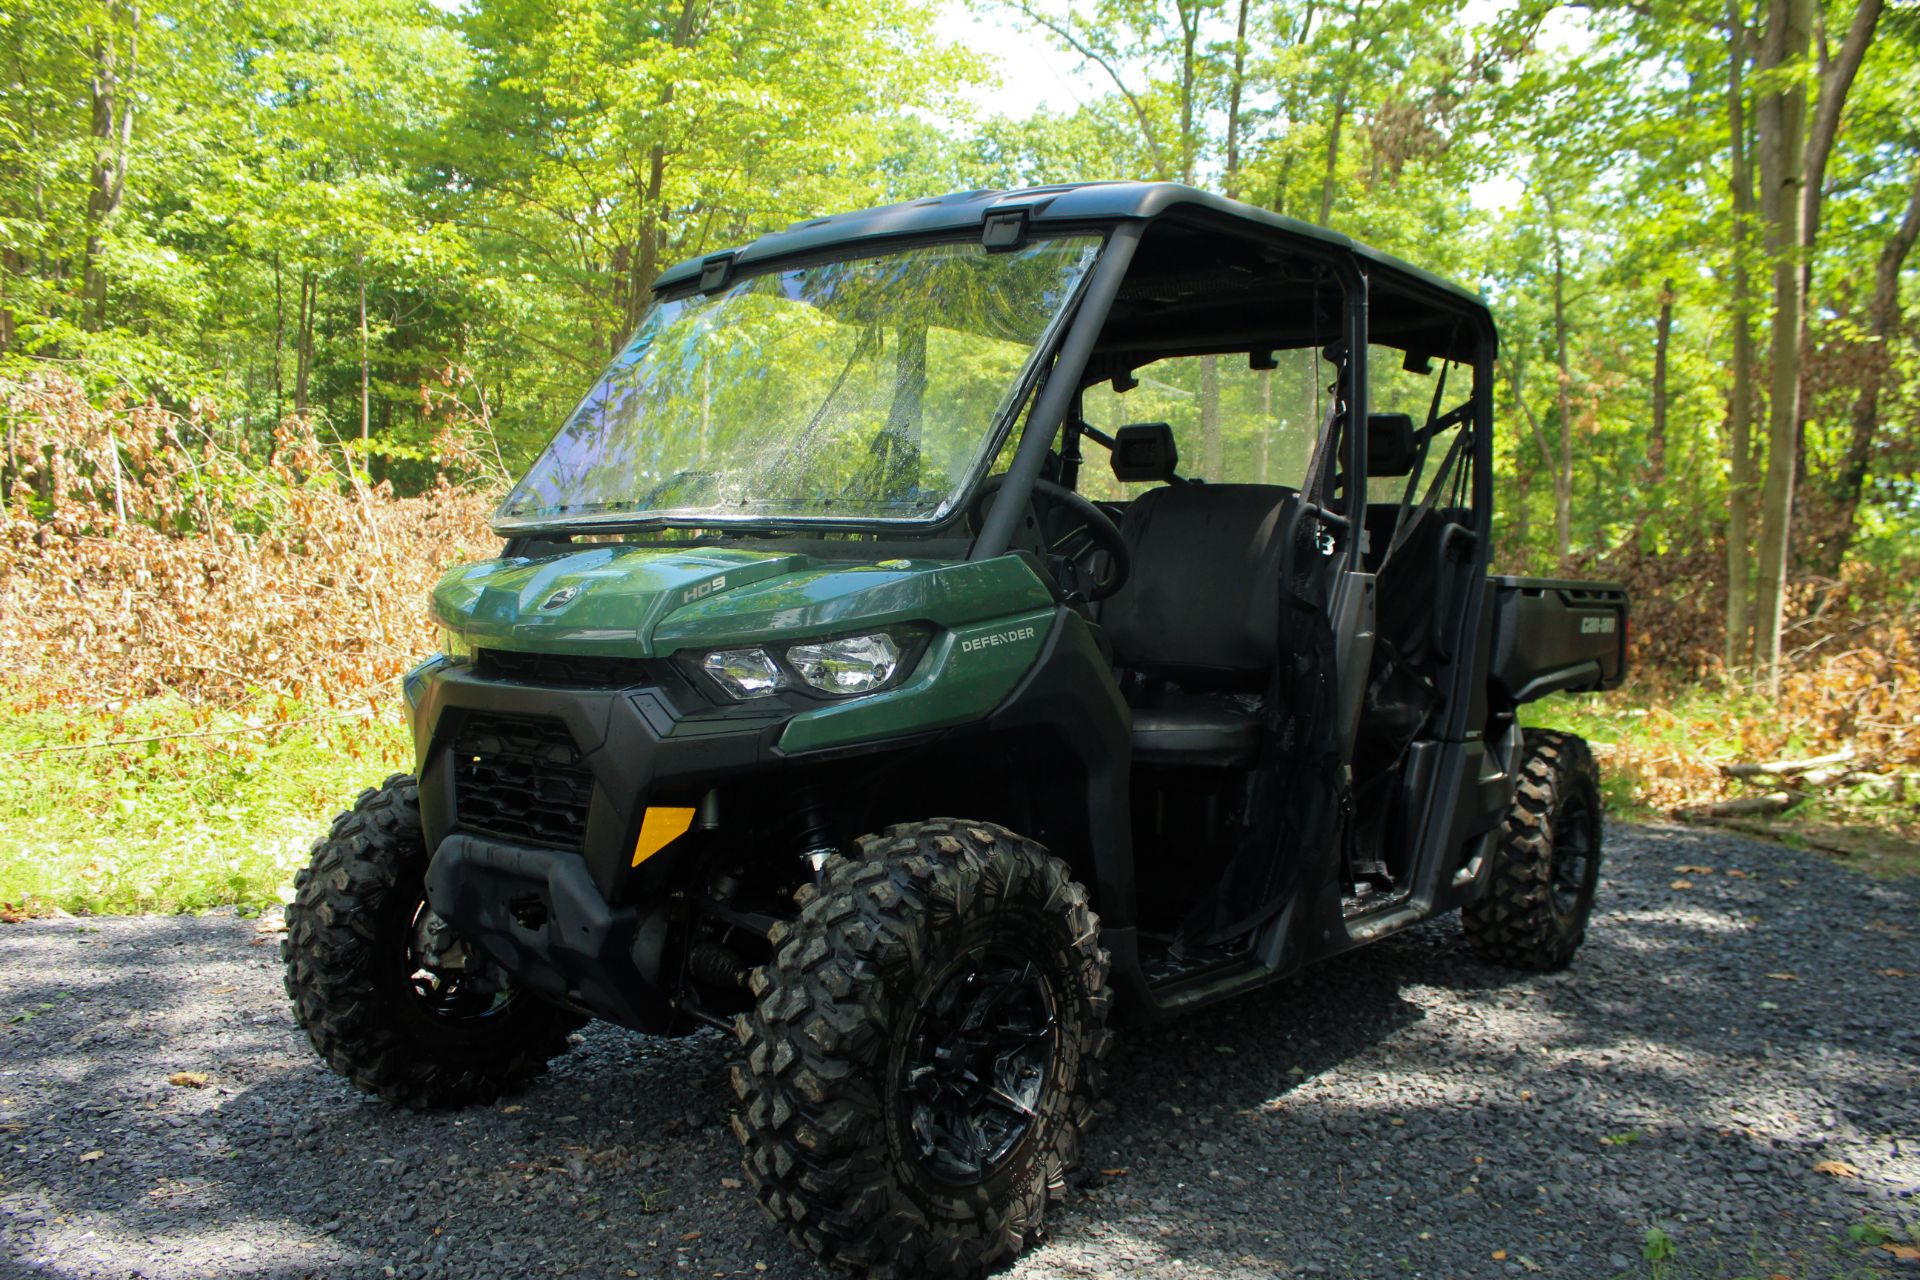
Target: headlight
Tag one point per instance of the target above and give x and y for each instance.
(744, 673)
(856, 664)
(842, 668)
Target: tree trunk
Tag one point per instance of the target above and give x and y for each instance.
(1524, 475)
(1283, 183)
(279, 334)
(1189, 42)
(1230, 180)
(636, 284)
(1739, 646)
(14, 263)
(1517, 509)
(1263, 447)
(365, 432)
(1782, 114)
(1333, 154)
(303, 339)
(1884, 323)
(1563, 466)
(1210, 444)
(112, 138)
(1836, 82)
(1657, 429)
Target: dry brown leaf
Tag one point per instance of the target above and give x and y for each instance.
(1836, 1169)
(1694, 871)
(188, 1079)
(1905, 1252)
(1891, 973)
(1784, 977)
(1683, 884)
(91, 1156)
(1499, 1255)
(731, 1184)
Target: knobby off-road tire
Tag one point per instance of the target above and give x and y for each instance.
(351, 970)
(1547, 863)
(849, 1057)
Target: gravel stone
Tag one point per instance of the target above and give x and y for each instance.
(1399, 1111)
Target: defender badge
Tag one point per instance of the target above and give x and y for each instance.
(563, 596)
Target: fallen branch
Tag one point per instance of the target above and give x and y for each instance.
(1786, 768)
(1772, 802)
(1798, 838)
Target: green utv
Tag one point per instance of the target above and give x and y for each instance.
(944, 625)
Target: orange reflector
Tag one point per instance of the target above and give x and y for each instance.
(660, 828)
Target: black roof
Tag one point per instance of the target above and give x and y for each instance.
(1089, 202)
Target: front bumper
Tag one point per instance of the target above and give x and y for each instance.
(539, 916)
(554, 897)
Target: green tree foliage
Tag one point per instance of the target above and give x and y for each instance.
(1694, 218)
(324, 209)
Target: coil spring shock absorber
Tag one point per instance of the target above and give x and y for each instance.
(812, 834)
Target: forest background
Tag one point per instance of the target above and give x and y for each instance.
(287, 294)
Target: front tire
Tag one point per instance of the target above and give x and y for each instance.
(1547, 864)
(921, 1063)
(421, 1034)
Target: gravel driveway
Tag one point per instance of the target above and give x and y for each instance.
(1402, 1111)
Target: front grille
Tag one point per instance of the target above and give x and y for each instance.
(521, 779)
(561, 668)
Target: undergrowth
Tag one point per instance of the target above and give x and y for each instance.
(200, 807)
(1662, 746)
(201, 636)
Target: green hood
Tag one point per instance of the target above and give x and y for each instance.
(612, 601)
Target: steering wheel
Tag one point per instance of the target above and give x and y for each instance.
(1098, 524)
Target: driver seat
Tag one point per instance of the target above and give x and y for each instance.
(1200, 611)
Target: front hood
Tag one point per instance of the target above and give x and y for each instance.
(613, 601)
(604, 601)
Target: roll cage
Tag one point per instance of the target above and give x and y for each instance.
(1270, 283)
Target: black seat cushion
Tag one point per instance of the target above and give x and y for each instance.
(1202, 605)
(1195, 735)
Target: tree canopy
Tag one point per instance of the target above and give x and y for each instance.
(1694, 218)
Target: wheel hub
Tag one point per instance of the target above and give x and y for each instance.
(976, 1064)
(1572, 853)
(446, 975)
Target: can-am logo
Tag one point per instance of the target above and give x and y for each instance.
(1602, 626)
(997, 637)
(704, 589)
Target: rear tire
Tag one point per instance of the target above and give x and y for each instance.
(1547, 864)
(369, 1005)
(922, 1060)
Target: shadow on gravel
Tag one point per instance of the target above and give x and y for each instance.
(1403, 1110)
(1406, 1109)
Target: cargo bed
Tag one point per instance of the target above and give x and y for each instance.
(1556, 635)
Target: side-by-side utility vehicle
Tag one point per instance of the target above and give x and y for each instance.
(944, 625)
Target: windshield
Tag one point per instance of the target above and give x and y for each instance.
(873, 389)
